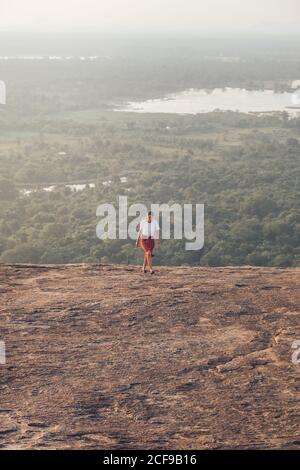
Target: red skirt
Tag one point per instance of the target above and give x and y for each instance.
(147, 244)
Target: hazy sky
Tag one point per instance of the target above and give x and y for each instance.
(149, 15)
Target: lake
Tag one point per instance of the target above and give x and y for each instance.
(195, 101)
(75, 187)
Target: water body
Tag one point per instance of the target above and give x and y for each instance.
(195, 101)
(73, 187)
(54, 57)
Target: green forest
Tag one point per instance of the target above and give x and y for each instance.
(60, 130)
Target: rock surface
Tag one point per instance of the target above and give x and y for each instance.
(190, 358)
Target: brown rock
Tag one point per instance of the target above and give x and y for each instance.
(190, 358)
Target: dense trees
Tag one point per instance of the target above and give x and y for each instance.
(250, 194)
(58, 130)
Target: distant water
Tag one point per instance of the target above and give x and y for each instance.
(73, 187)
(51, 57)
(195, 101)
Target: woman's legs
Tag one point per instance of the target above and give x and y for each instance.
(145, 262)
(149, 259)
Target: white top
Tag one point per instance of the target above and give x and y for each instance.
(149, 229)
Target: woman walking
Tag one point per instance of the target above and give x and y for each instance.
(148, 239)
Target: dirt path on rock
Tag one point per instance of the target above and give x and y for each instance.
(105, 357)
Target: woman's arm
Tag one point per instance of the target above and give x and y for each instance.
(139, 230)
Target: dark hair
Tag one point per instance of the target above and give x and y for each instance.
(149, 213)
